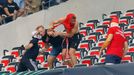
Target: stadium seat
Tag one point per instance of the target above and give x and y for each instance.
(125, 20)
(49, 49)
(6, 60)
(102, 59)
(6, 52)
(86, 44)
(81, 24)
(131, 26)
(94, 52)
(127, 58)
(78, 55)
(85, 31)
(131, 48)
(123, 26)
(116, 13)
(40, 58)
(93, 36)
(45, 64)
(107, 21)
(15, 53)
(90, 60)
(129, 32)
(130, 13)
(12, 67)
(100, 42)
(41, 44)
(59, 57)
(102, 29)
(83, 52)
(92, 23)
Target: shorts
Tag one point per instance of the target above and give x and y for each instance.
(56, 51)
(113, 59)
(73, 41)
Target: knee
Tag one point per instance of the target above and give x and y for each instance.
(64, 52)
(72, 52)
(50, 59)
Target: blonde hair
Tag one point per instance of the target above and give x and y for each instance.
(41, 26)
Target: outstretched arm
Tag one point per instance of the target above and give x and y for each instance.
(56, 23)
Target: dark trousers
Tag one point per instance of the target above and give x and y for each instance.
(27, 64)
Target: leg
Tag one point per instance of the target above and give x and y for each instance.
(72, 56)
(110, 60)
(50, 61)
(21, 67)
(54, 53)
(74, 42)
(31, 65)
(63, 54)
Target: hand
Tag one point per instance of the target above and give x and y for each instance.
(11, 14)
(68, 35)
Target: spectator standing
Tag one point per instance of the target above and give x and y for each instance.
(115, 43)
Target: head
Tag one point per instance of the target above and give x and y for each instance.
(10, 1)
(71, 18)
(114, 21)
(41, 30)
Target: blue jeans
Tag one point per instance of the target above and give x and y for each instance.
(55, 51)
(113, 59)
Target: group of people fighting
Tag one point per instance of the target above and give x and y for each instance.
(67, 42)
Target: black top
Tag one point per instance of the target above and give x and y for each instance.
(34, 51)
(54, 41)
(11, 7)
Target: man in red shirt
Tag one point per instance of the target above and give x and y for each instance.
(115, 43)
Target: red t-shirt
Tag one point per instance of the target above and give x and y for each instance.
(117, 43)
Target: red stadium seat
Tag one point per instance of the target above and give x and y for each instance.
(129, 32)
(101, 41)
(86, 44)
(6, 60)
(45, 64)
(131, 26)
(15, 53)
(12, 67)
(90, 60)
(94, 51)
(59, 57)
(93, 36)
(86, 61)
(77, 54)
(40, 58)
(130, 13)
(41, 44)
(85, 30)
(92, 24)
(127, 58)
(125, 20)
(115, 13)
(107, 21)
